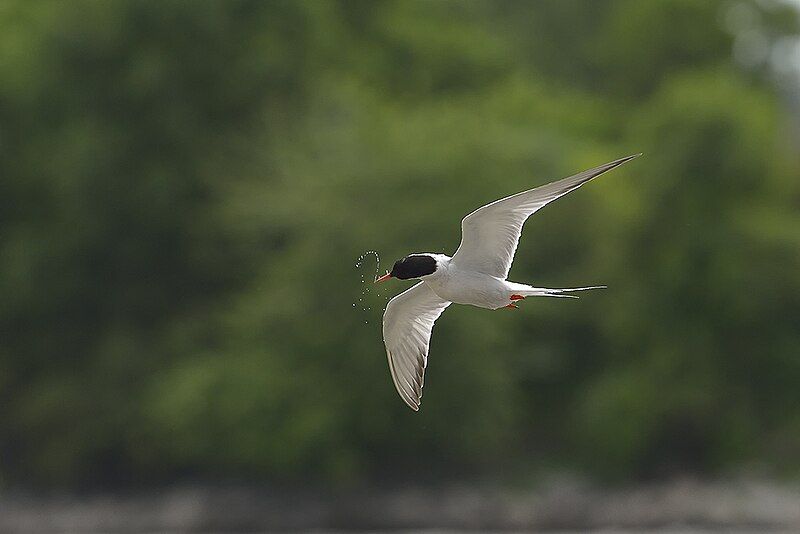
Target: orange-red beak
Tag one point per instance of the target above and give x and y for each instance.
(383, 278)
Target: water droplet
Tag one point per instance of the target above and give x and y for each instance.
(367, 281)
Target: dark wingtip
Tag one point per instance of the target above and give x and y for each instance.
(628, 158)
(617, 162)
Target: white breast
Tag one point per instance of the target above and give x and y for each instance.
(470, 287)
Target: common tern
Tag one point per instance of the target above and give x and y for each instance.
(475, 275)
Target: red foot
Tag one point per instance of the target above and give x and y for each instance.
(512, 306)
(516, 297)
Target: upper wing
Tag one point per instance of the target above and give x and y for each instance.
(407, 324)
(489, 235)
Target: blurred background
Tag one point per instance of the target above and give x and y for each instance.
(186, 187)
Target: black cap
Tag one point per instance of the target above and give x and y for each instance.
(413, 266)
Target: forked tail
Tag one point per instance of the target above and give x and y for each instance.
(528, 291)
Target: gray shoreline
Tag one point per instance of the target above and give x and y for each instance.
(684, 505)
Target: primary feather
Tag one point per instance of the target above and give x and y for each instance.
(490, 234)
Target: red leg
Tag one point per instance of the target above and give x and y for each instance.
(516, 297)
(512, 306)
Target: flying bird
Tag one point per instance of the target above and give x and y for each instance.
(476, 275)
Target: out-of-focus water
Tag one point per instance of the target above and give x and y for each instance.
(563, 506)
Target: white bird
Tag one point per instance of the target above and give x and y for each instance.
(475, 274)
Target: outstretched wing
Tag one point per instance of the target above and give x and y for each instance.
(407, 324)
(490, 234)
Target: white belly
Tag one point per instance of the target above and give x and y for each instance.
(475, 289)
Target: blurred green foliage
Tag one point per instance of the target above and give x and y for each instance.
(186, 186)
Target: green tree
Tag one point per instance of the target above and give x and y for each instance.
(185, 187)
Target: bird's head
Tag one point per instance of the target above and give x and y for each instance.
(410, 267)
